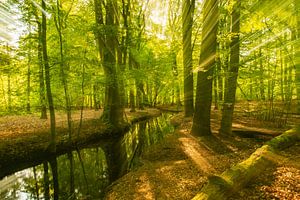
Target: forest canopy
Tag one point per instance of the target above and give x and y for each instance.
(146, 53)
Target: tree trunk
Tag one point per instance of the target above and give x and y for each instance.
(72, 174)
(107, 49)
(28, 81)
(229, 100)
(52, 146)
(218, 90)
(112, 108)
(54, 170)
(41, 74)
(282, 76)
(131, 91)
(46, 183)
(9, 91)
(297, 55)
(232, 180)
(201, 121)
(261, 79)
(187, 24)
(220, 82)
(42, 96)
(59, 25)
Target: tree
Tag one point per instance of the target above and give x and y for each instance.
(201, 120)
(187, 27)
(297, 54)
(52, 146)
(41, 71)
(172, 30)
(59, 23)
(229, 100)
(112, 105)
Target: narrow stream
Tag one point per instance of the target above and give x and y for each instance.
(85, 174)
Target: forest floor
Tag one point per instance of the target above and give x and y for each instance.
(178, 167)
(24, 139)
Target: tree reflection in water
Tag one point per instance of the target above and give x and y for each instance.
(85, 174)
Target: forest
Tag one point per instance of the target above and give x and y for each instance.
(150, 99)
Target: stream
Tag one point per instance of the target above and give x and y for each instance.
(87, 172)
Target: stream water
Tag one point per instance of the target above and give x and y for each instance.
(85, 173)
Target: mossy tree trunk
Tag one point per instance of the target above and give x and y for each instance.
(229, 100)
(201, 121)
(107, 48)
(187, 28)
(222, 186)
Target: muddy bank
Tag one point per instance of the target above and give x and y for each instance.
(25, 143)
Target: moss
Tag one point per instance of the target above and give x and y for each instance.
(233, 179)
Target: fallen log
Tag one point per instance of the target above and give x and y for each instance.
(223, 186)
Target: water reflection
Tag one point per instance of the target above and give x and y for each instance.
(85, 173)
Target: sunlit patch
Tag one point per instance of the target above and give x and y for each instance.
(144, 190)
(192, 150)
(204, 63)
(48, 15)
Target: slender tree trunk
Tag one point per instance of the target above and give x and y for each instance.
(53, 165)
(176, 89)
(261, 79)
(218, 83)
(43, 103)
(95, 96)
(121, 53)
(201, 121)
(229, 100)
(28, 82)
(131, 92)
(187, 29)
(36, 184)
(52, 146)
(58, 25)
(282, 76)
(9, 91)
(72, 178)
(41, 75)
(46, 181)
(297, 54)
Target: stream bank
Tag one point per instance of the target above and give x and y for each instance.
(24, 141)
(179, 166)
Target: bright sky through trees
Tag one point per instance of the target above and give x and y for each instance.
(10, 26)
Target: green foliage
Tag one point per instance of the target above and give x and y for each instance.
(152, 36)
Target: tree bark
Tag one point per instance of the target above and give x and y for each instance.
(52, 146)
(9, 91)
(201, 121)
(261, 79)
(222, 186)
(107, 49)
(59, 28)
(297, 55)
(187, 24)
(28, 81)
(41, 68)
(41, 75)
(229, 100)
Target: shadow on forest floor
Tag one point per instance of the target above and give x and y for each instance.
(178, 167)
